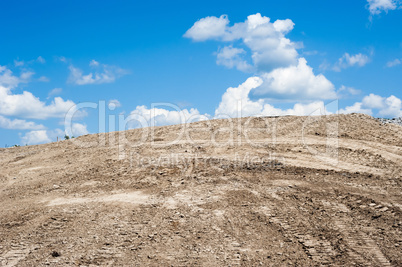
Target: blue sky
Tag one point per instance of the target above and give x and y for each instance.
(283, 57)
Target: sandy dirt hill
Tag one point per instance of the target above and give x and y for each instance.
(303, 191)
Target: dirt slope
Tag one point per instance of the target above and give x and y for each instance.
(255, 191)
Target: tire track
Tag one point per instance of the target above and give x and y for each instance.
(320, 251)
(361, 248)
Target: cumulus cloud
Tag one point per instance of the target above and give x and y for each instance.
(377, 6)
(237, 99)
(7, 79)
(295, 82)
(373, 101)
(46, 136)
(145, 117)
(266, 40)
(78, 129)
(356, 108)
(393, 63)
(388, 107)
(231, 57)
(17, 124)
(270, 49)
(374, 104)
(35, 137)
(347, 60)
(237, 103)
(101, 73)
(393, 107)
(274, 57)
(26, 105)
(208, 28)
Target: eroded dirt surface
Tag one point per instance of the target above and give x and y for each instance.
(307, 195)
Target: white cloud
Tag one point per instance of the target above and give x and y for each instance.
(55, 91)
(79, 129)
(348, 90)
(373, 101)
(358, 59)
(393, 107)
(93, 63)
(46, 136)
(7, 79)
(41, 60)
(284, 26)
(356, 108)
(231, 57)
(35, 137)
(393, 63)
(114, 103)
(310, 53)
(103, 74)
(208, 28)
(274, 57)
(377, 6)
(237, 103)
(324, 65)
(295, 82)
(26, 76)
(17, 124)
(347, 60)
(61, 59)
(385, 106)
(267, 42)
(27, 105)
(237, 99)
(18, 63)
(43, 79)
(144, 117)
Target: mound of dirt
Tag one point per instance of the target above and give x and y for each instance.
(302, 191)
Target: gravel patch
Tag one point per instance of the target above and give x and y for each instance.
(394, 120)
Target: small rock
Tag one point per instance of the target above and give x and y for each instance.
(55, 254)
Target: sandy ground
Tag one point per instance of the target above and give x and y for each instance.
(256, 191)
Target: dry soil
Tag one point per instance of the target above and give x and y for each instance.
(300, 191)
